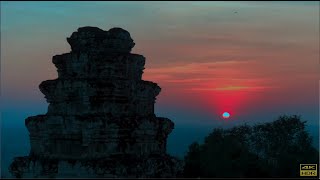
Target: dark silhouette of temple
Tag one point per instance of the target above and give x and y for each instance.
(100, 120)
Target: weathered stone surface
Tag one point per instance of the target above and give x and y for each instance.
(95, 40)
(115, 166)
(100, 120)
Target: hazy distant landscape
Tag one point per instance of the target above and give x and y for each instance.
(15, 144)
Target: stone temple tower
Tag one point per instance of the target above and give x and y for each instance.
(100, 120)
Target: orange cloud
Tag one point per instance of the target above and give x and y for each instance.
(231, 88)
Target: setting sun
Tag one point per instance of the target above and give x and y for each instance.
(225, 115)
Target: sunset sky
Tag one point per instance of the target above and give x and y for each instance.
(255, 60)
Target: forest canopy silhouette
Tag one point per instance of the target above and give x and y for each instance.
(273, 149)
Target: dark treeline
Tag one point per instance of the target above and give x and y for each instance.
(274, 149)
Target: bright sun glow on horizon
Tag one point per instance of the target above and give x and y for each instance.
(225, 115)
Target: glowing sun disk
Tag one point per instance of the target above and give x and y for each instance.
(225, 115)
